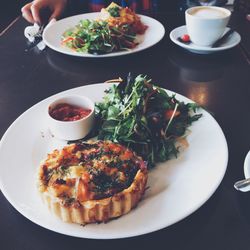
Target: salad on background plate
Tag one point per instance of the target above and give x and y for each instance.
(116, 29)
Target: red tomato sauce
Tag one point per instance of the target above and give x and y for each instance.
(68, 112)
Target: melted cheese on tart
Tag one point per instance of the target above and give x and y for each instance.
(89, 171)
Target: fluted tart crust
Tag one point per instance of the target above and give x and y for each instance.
(92, 182)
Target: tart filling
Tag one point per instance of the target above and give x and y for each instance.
(92, 181)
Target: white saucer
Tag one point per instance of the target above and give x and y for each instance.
(232, 41)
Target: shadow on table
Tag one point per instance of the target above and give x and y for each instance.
(199, 75)
(244, 206)
(110, 67)
(195, 68)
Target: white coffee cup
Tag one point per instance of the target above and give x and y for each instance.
(206, 24)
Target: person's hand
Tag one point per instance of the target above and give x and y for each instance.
(32, 11)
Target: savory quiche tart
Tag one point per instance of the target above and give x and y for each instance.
(92, 182)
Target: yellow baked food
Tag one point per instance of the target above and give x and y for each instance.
(92, 182)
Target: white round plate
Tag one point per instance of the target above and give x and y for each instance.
(176, 188)
(53, 33)
(247, 165)
(232, 41)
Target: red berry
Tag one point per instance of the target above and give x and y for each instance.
(185, 38)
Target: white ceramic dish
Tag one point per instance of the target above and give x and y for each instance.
(176, 188)
(247, 165)
(53, 33)
(72, 130)
(231, 42)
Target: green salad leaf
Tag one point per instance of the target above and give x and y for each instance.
(97, 37)
(89, 36)
(145, 118)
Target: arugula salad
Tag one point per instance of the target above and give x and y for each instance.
(142, 116)
(116, 30)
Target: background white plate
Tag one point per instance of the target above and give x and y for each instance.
(232, 41)
(53, 33)
(176, 188)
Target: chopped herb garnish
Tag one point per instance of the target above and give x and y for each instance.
(68, 201)
(114, 11)
(61, 171)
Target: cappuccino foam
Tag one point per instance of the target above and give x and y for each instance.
(208, 13)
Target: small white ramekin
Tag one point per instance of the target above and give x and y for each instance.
(72, 130)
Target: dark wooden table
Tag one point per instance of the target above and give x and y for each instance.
(220, 82)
